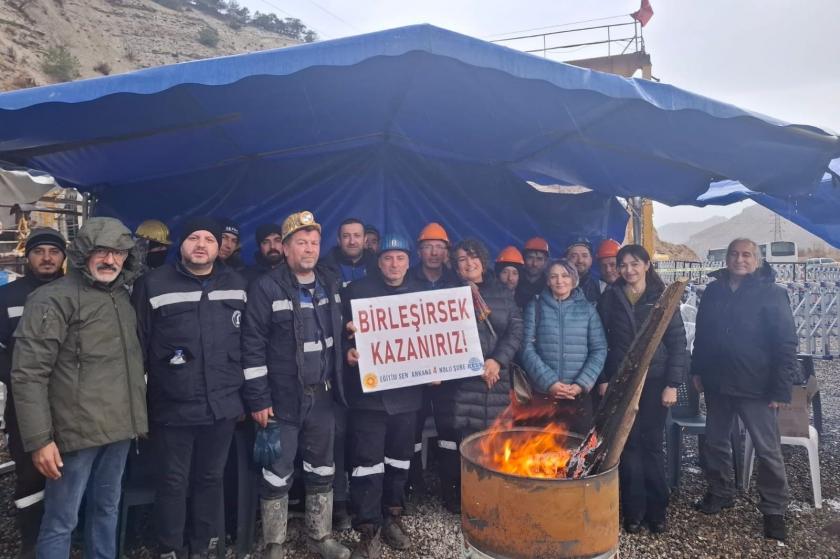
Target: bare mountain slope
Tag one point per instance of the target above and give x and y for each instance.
(679, 233)
(113, 36)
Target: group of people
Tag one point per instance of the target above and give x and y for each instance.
(133, 342)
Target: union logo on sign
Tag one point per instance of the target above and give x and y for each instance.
(475, 364)
(370, 381)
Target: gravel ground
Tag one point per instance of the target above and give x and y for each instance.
(733, 533)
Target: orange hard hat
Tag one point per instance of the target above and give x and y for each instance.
(536, 243)
(433, 232)
(607, 249)
(510, 255)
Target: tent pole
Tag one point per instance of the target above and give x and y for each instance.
(636, 214)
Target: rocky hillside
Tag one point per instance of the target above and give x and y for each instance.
(44, 41)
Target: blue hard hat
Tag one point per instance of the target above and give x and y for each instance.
(394, 241)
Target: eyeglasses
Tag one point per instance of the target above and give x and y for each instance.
(101, 252)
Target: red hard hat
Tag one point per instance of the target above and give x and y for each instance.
(510, 255)
(607, 249)
(536, 243)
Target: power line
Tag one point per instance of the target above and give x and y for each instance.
(282, 11)
(333, 14)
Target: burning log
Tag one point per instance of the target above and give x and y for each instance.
(602, 447)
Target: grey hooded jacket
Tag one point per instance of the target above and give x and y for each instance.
(77, 368)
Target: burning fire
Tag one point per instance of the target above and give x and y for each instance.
(536, 454)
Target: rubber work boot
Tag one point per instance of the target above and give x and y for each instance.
(393, 532)
(712, 504)
(341, 516)
(275, 517)
(774, 527)
(369, 546)
(318, 521)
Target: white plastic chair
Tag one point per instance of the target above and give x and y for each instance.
(812, 443)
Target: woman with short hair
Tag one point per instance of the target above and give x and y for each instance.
(564, 348)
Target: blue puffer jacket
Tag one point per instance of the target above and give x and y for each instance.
(568, 345)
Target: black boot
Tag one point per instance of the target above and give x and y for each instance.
(369, 546)
(774, 527)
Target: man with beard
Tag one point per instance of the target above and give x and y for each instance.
(533, 280)
(188, 318)
(579, 253)
(45, 253)
(269, 252)
(371, 239)
(155, 235)
(79, 386)
(349, 260)
(293, 372)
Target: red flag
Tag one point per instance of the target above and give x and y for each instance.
(644, 13)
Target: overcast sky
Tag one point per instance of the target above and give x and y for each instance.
(775, 57)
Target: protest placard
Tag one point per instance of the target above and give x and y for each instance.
(416, 338)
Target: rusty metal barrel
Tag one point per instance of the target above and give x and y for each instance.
(515, 517)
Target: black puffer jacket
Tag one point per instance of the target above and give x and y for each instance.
(472, 405)
(746, 343)
(526, 290)
(622, 321)
(397, 400)
(590, 287)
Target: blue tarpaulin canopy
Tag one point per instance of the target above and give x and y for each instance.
(400, 127)
(817, 211)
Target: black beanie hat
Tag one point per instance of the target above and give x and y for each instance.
(266, 229)
(229, 226)
(202, 223)
(45, 236)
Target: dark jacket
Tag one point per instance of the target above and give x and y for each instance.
(260, 267)
(12, 298)
(526, 291)
(201, 317)
(446, 280)
(347, 271)
(622, 321)
(745, 344)
(234, 261)
(394, 401)
(474, 406)
(564, 342)
(590, 287)
(77, 368)
(273, 346)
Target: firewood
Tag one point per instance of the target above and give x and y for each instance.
(602, 447)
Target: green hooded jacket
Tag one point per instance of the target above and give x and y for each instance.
(77, 368)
